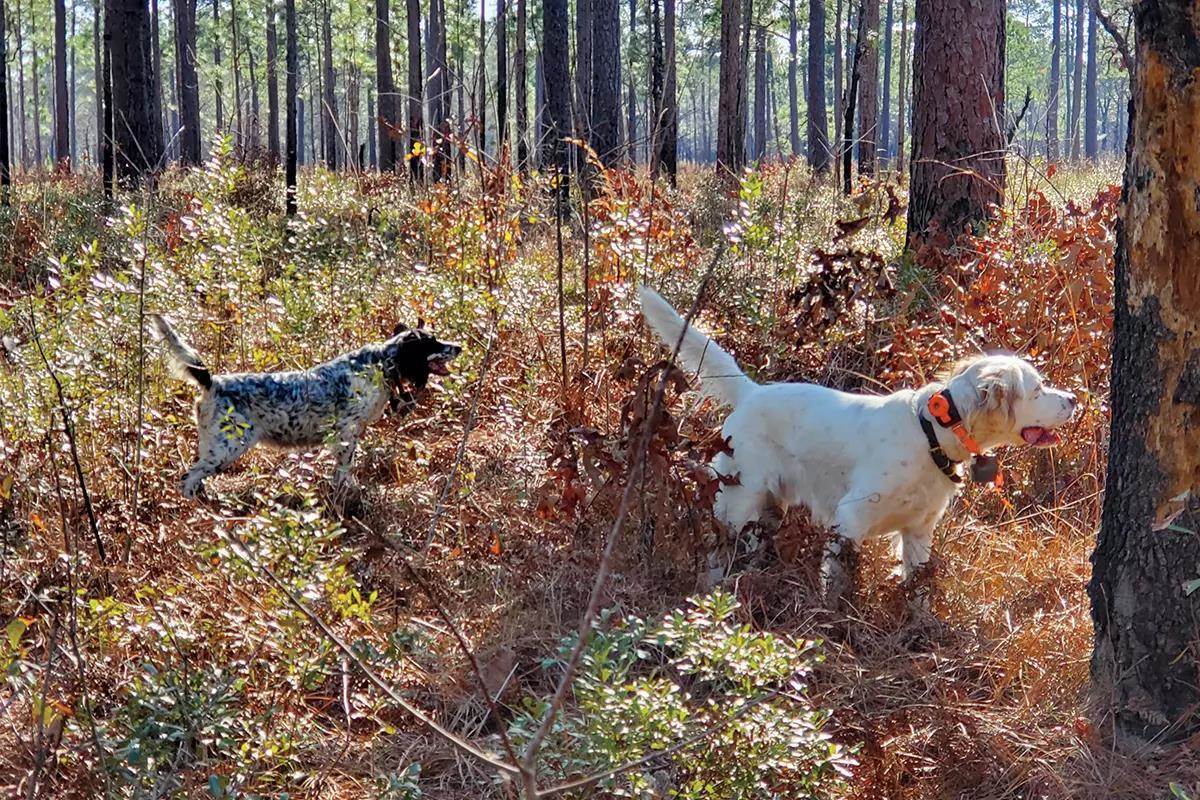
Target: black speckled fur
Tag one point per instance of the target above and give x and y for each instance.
(328, 406)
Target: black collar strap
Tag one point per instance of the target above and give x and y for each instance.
(940, 459)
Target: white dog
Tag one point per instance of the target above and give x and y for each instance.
(863, 465)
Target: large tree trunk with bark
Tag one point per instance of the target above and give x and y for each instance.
(189, 84)
(902, 91)
(631, 138)
(1145, 606)
(329, 115)
(668, 113)
(793, 89)
(272, 85)
(818, 123)
(885, 115)
(760, 94)
(1077, 83)
(138, 140)
(62, 131)
(839, 97)
(385, 88)
(217, 86)
(1052, 142)
(295, 113)
(868, 88)
(439, 90)
(731, 122)
(1091, 137)
(5, 157)
(520, 90)
(416, 102)
(605, 113)
(958, 148)
(583, 68)
(501, 77)
(557, 83)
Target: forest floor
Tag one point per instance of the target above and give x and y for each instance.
(177, 664)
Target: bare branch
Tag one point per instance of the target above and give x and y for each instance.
(1127, 60)
(593, 607)
(240, 548)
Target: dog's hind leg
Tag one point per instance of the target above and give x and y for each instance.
(218, 450)
(915, 544)
(343, 447)
(839, 565)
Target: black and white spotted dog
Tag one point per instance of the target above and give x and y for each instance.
(328, 406)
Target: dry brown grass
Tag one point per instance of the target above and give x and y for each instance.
(988, 699)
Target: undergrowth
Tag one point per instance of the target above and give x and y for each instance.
(174, 665)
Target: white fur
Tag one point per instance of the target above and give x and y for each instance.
(859, 463)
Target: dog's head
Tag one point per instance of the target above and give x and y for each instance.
(414, 354)
(1003, 400)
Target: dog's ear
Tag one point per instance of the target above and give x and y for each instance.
(420, 323)
(399, 329)
(998, 391)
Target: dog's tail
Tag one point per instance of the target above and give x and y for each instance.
(185, 363)
(720, 376)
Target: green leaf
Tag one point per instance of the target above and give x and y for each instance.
(1179, 792)
(1191, 586)
(14, 631)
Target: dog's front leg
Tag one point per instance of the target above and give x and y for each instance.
(839, 570)
(343, 448)
(915, 569)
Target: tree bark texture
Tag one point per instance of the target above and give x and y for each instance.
(138, 140)
(731, 137)
(1146, 617)
(868, 88)
(1052, 141)
(189, 84)
(818, 123)
(388, 122)
(957, 170)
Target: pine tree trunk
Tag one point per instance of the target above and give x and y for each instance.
(605, 85)
(902, 93)
(731, 153)
(654, 117)
(793, 92)
(631, 132)
(520, 91)
(868, 88)
(239, 131)
(71, 112)
(1052, 142)
(818, 122)
(839, 96)
(479, 95)
(158, 74)
(583, 68)
(1145, 605)
(272, 84)
(439, 90)
(62, 135)
(98, 80)
(293, 124)
(958, 77)
(385, 89)
(1091, 131)
(21, 88)
(329, 115)
(557, 86)
(138, 140)
(501, 78)
(189, 86)
(217, 85)
(668, 160)
(255, 109)
(416, 96)
(760, 94)
(37, 93)
(885, 116)
(5, 156)
(1077, 84)
(743, 76)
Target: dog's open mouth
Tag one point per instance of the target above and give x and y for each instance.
(440, 364)
(1036, 436)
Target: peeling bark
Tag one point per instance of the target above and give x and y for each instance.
(1146, 623)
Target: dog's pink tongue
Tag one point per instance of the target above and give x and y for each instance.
(1039, 437)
